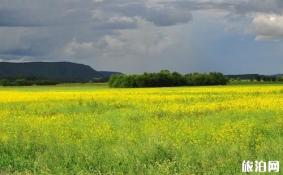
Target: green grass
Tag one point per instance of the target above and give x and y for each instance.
(88, 129)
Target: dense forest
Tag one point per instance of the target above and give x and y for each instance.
(167, 79)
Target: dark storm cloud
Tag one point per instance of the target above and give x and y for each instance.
(100, 14)
(235, 6)
(61, 21)
(14, 18)
(123, 33)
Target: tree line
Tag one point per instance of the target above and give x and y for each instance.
(255, 78)
(166, 78)
(26, 82)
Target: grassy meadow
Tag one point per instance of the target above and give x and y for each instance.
(87, 129)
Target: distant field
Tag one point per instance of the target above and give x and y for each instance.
(91, 129)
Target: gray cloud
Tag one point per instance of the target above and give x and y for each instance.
(45, 28)
(100, 14)
(99, 32)
(265, 15)
(239, 6)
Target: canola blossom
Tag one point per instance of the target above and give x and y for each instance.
(186, 130)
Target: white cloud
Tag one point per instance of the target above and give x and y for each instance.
(268, 26)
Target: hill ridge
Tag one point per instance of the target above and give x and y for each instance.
(62, 71)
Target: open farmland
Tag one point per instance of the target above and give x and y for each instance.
(96, 130)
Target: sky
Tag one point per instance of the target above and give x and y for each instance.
(134, 36)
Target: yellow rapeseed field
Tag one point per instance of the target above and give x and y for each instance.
(188, 130)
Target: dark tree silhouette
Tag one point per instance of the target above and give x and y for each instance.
(167, 79)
